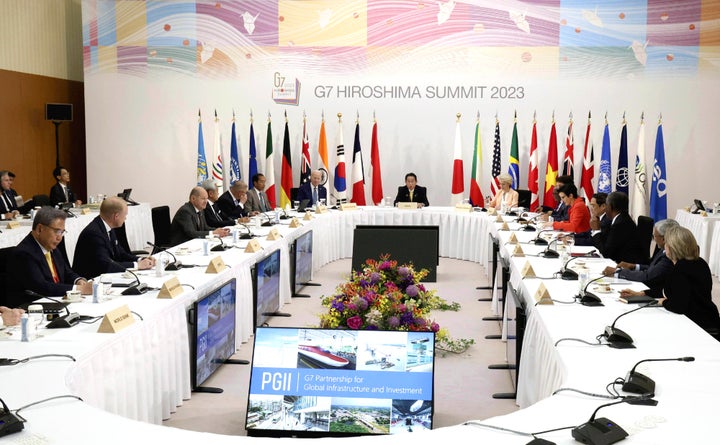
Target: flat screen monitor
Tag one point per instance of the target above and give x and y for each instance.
(266, 287)
(303, 261)
(212, 320)
(311, 382)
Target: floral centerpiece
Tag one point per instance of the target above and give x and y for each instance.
(388, 296)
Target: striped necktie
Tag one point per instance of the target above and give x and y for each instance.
(51, 265)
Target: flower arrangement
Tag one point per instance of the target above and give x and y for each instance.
(388, 296)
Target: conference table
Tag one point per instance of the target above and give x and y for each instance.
(702, 228)
(131, 380)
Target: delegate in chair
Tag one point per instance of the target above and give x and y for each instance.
(411, 192)
(578, 220)
(506, 196)
(312, 190)
(620, 241)
(61, 193)
(189, 221)
(228, 209)
(257, 200)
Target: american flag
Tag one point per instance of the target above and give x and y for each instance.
(495, 172)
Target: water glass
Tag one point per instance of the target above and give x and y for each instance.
(36, 314)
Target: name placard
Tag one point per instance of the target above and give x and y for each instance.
(216, 265)
(170, 289)
(513, 239)
(407, 205)
(308, 216)
(347, 206)
(273, 235)
(13, 225)
(460, 207)
(499, 219)
(528, 271)
(518, 251)
(295, 223)
(116, 320)
(320, 209)
(542, 295)
(492, 211)
(85, 211)
(253, 246)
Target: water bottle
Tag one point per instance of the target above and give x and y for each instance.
(235, 235)
(24, 327)
(96, 291)
(582, 279)
(206, 247)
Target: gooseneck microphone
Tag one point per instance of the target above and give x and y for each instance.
(569, 274)
(267, 223)
(248, 235)
(589, 298)
(548, 252)
(175, 265)
(220, 247)
(134, 289)
(541, 241)
(68, 320)
(638, 383)
(617, 337)
(602, 431)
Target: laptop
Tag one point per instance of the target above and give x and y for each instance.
(126, 196)
(303, 205)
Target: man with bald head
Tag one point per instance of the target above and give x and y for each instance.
(97, 250)
(189, 221)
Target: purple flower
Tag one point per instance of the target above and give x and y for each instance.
(371, 327)
(407, 318)
(434, 327)
(412, 291)
(360, 303)
(393, 322)
(338, 306)
(421, 287)
(402, 270)
(375, 278)
(351, 307)
(354, 322)
(385, 265)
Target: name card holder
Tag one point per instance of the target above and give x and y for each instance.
(295, 223)
(513, 239)
(499, 219)
(85, 211)
(321, 209)
(274, 235)
(170, 289)
(347, 206)
(13, 225)
(216, 265)
(528, 271)
(460, 207)
(542, 295)
(505, 227)
(308, 216)
(253, 246)
(407, 205)
(492, 211)
(116, 320)
(519, 252)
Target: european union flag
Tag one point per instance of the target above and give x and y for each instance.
(252, 168)
(658, 189)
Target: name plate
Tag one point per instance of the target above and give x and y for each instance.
(13, 224)
(505, 227)
(463, 207)
(116, 320)
(492, 211)
(407, 205)
(320, 209)
(513, 239)
(518, 251)
(274, 235)
(308, 216)
(499, 219)
(295, 223)
(85, 211)
(216, 265)
(171, 288)
(348, 206)
(253, 246)
(542, 295)
(528, 271)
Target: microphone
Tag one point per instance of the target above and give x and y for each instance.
(540, 241)
(641, 384)
(618, 338)
(589, 298)
(68, 320)
(135, 289)
(267, 223)
(175, 265)
(548, 252)
(220, 247)
(284, 214)
(248, 235)
(603, 431)
(569, 274)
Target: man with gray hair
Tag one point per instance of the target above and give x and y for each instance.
(39, 266)
(233, 203)
(653, 274)
(189, 221)
(213, 215)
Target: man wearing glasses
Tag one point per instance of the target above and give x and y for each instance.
(38, 265)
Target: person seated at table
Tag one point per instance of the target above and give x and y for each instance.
(506, 195)
(10, 317)
(257, 199)
(578, 214)
(599, 219)
(61, 193)
(8, 205)
(560, 212)
(189, 221)
(214, 214)
(312, 190)
(653, 275)
(97, 250)
(12, 197)
(688, 288)
(411, 192)
(620, 242)
(37, 265)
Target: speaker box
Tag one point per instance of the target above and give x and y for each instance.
(58, 112)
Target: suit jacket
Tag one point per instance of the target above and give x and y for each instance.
(578, 218)
(512, 199)
(689, 291)
(653, 275)
(620, 241)
(226, 206)
(253, 201)
(216, 218)
(560, 213)
(57, 196)
(9, 195)
(305, 192)
(419, 195)
(187, 224)
(97, 253)
(28, 269)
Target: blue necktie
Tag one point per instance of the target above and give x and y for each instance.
(315, 195)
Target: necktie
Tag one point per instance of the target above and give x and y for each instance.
(197, 220)
(53, 272)
(113, 243)
(6, 201)
(66, 194)
(411, 195)
(263, 205)
(315, 195)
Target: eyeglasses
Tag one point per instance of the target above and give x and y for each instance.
(58, 232)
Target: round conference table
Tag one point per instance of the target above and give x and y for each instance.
(133, 379)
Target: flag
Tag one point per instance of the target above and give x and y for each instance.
(514, 168)
(377, 189)
(217, 165)
(605, 176)
(658, 188)
(569, 158)
(588, 170)
(533, 171)
(305, 161)
(495, 172)
(458, 179)
(622, 179)
(638, 204)
(235, 174)
(358, 171)
(286, 181)
(551, 171)
(252, 167)
(270, 168)
(340, 187)
(476, 196)
(202, 173)
(323, 152)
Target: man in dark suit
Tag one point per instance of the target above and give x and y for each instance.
(257, 200)
(652, 275)
(8, 205)
(598, 219)
(411, 192)
(97, 250)
(189, 221)
(61, 193)
(312, 190)
(230, 205)
(620, 241)
(38, 265)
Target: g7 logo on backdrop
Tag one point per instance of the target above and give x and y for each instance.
(278, 80)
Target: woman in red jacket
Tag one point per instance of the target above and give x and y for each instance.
(578, 213)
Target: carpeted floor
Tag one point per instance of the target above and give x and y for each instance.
(463, 383)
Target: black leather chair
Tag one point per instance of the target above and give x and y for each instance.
(524, 197)
(5, 255)
(645, 226)
(121, 235)
(294, 193)
(161, 226)
(41, 200)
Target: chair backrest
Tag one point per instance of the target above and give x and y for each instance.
(524, 197)
(645, 226)
(41, 200)
(294, 193)
(161, 225)
(5, 255)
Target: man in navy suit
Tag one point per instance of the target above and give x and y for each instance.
(231, 204)
(312, 190)
(97, 250)
(38, 265)
(620, 241)
(61, 192)
(411, 192)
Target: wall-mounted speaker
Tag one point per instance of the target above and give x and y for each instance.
(58, 112)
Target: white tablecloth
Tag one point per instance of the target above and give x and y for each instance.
(702, 228)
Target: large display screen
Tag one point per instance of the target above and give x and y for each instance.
(303, 260)
(214, 331)
(331, 382)
(267, 287)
